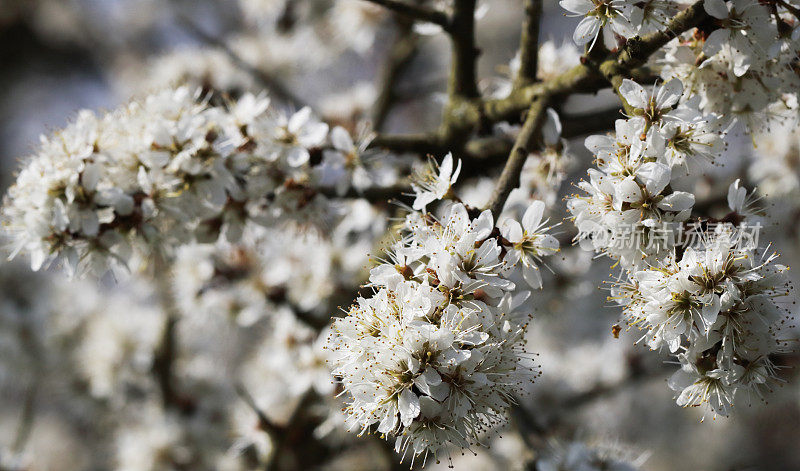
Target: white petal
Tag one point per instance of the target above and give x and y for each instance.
(90, 176)
(586, 31)
(37, 259)
(715, 41)
(655, 176)
(677, 201)
(408, 404)
(484, 225)
(581, 7)
(456, 173)
(533, 216)
(389, 422)
(716, 8)
(711, 311)
(669, 94)
(627, 191)
(341, 139)
(299, 119)
(736, 196)
(313, 135)
(297, 156)
(511, 230)
(548, 243)
(532, 275)
(634, 94)
(551, 130)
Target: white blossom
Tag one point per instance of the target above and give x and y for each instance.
(434, 182)
(605, 16)
(435, 355)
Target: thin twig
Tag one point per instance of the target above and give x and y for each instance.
(283, 439)
(529, 43)
(414, 143)
(167, 348)
(263, 421)
(463, 77)
(791, 8)
(509, 178)
(637, 50)
(32, 348)
(373, 194)
(415, 12)
(463, 117)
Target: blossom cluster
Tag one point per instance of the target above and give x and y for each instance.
(738, 64)
(172, 169)
(436, 354)
(631, 188)
(742, 71)
(715, 305)
(256, 217)
(613, 18)
(720, 309)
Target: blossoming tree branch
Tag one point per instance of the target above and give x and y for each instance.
(206, 194)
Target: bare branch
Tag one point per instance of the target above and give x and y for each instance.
(579, 79)
(529, 43)
(523, 146)
(166, 350)
(414, 143)
(415, 12)
(463, 76)
(791, 8)
(637, 50)
(263, 421)
(465, 116)
(373, 195)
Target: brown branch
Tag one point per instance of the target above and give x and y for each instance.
(463, 77)
(528, 135)
(166, 351)
(414, 143)
(482, 154)
(373, 194)
(574, 125)
(415, 12)
(637, 50)
(264, 422)
(464, 115)
(529, 43)
(579, 79)
(790, 8)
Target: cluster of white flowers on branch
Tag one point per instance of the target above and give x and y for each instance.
(720, 306)
(739, 64)
(436, 354)
(719, 303)
(257, 222)
(631, 189)
(172, 169)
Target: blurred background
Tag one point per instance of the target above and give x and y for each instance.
(77, 357)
